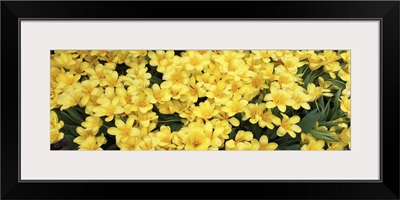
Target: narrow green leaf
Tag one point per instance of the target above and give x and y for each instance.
(68, 138)
(71, 129)
(291, 147)
(330, 123)
(323, 135)
(75, 115)
(113, 147)
(155, 79)
(308, 122)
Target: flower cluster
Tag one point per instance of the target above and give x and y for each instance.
(200, 99)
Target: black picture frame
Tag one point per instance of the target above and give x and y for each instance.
(385, 11)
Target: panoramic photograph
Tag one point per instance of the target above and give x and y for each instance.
(200, 100)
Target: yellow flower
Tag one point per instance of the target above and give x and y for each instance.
(84, 133)
(92, 123)
(278, 98)
(331, 66)
(195, 91)
(263, 55)
(268, 119)
(70, 98)
(234, 106)
(89, 88)
(254, 112)
(256, 80)
(288, 125)
(93, 143)
(66, 79)
(291, 64)
(108, 108)
(241, 141)
(314, 145)
(148, 143)
(123, 131)
(345, 104)
(161, 59)
(300, 98)
(64, 60)
(196, 139)
(110, 79)
(141, 103)
(165, 136)
(194, 60)
(55, 126)
(157, 95)
(345, 136)
(219, 92)
(145, 118)
(205, 110)
(264, 145)
(175, 75)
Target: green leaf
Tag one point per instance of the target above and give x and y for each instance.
(330, 123)
(75, 116)
(256, 130)
(62, 117)
(291, 147)
(308, 122)
(175, 126)
(68, 138)
(336, 100)
(113, 147)
(70, 147)
(155, 79)
(323, 135)
(71, 129)
(232, 134)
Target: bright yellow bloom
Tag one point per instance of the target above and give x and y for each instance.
(110, 79)
(148, 143)
(314, 145)
(196, 139)
(175, 75)
(195, 91)
(108, 108)
(234, 106)
(194, 60)
(288, 125)
(331, 65)
(345, 104)
(157, 95)
(89, 88)
(92, 123)
(55, 126)
(263, 55)
(66, 79)
(264, 145)
(70, 98)
(300, 98)
(145, 118)
(205, 110)
(278, 98)
(345, 136)
(254, 112)
(165, 136)
(93, 143)
(123, 131)
(141, 103)
(268, 119)
(64, 60)
(241, 142)
(84, 133)
(219, 92)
